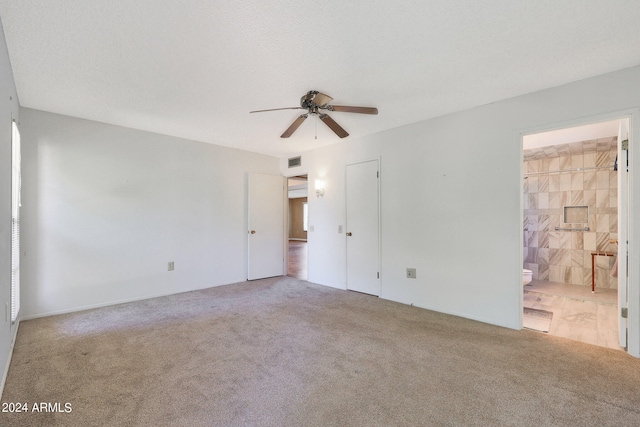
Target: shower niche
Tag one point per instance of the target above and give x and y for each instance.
(576, 215)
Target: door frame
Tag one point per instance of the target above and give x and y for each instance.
(633, 203)
(299, 171)
(623, 186)
(286, 221)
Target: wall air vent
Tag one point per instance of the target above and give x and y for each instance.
(295, 162)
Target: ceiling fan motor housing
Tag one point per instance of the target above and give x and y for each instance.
(307, 101)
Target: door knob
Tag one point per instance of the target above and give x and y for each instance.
(253, 231)
(349, 233)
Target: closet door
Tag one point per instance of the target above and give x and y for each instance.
(266, 226)
(363, 227)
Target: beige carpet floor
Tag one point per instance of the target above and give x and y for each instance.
(284, 352)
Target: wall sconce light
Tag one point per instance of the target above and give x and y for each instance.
(319, 188)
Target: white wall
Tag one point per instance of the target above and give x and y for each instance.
(8, 110)
(459, 223)
(105, 208)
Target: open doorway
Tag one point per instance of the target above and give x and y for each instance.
(571, 224)
(298, 221)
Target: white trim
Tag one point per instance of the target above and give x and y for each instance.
(520, 232)
(122, 301)
(6, 368)
(15, 219)
(633, 338)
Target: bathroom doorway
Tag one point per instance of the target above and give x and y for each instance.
(297, 253)
(574, 214)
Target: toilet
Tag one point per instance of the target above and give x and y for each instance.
(527, 276)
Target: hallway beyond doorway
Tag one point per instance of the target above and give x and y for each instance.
(297, 259)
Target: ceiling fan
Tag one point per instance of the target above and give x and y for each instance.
(315, 101)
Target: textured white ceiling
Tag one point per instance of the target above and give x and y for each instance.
(195, 68)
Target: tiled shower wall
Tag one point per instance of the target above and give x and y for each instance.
(565, 256)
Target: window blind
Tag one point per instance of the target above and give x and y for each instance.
(15, 221)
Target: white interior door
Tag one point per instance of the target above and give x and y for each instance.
(623, 227)
(266, 226)
(363, 228)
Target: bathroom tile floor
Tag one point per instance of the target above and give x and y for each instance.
(577, 313)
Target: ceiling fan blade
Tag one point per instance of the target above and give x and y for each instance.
(334, 126)
(347, 109)
(276, 109)
(322, 99)
(295, 125)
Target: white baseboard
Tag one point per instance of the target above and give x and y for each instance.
(121, 301)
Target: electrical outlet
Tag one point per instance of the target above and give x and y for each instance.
(411, 273)
(171, 266)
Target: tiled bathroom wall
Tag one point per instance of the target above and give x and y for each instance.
(565, 256)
